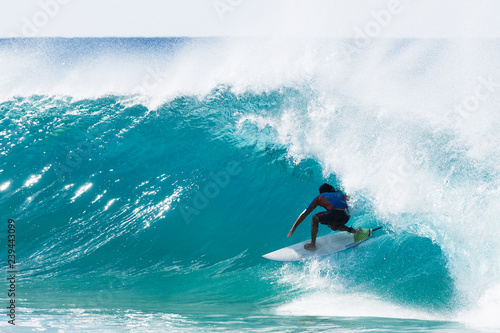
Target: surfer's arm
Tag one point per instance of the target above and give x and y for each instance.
(304, 214)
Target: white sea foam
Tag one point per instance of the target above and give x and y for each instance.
(326, 294)
(350, 305)
(484, 313)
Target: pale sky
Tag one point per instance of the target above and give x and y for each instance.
(319, 18)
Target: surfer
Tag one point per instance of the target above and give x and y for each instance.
(335, 216)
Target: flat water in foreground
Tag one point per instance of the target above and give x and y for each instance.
(79, 320)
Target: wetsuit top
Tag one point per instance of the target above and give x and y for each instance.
(336, 200)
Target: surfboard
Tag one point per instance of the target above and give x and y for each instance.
(325, 245)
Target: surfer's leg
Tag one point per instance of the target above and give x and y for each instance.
(314, 231)
(344, 228)
(348, 229)
(340, 218)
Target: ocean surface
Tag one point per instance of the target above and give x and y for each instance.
(147, 177)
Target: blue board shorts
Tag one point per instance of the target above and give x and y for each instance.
(335, 218)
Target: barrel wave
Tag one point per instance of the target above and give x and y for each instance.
(147, 177)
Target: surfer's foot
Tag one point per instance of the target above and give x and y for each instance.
(310, 247)
(354, 231)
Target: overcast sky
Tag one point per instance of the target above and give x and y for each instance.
(328, 18)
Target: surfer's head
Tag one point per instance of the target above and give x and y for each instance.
(326, 188)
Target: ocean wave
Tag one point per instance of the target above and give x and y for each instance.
(133, 155)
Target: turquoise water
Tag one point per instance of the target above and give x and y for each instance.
(147, 177)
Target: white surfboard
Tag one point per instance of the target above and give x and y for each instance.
(325, 245)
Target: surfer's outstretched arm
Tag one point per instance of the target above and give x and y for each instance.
(297, 222)
(304, 214)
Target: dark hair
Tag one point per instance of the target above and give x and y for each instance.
(326, 188)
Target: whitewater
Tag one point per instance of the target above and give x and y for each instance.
(147, 177)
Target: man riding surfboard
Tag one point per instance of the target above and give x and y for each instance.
(335, 216)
